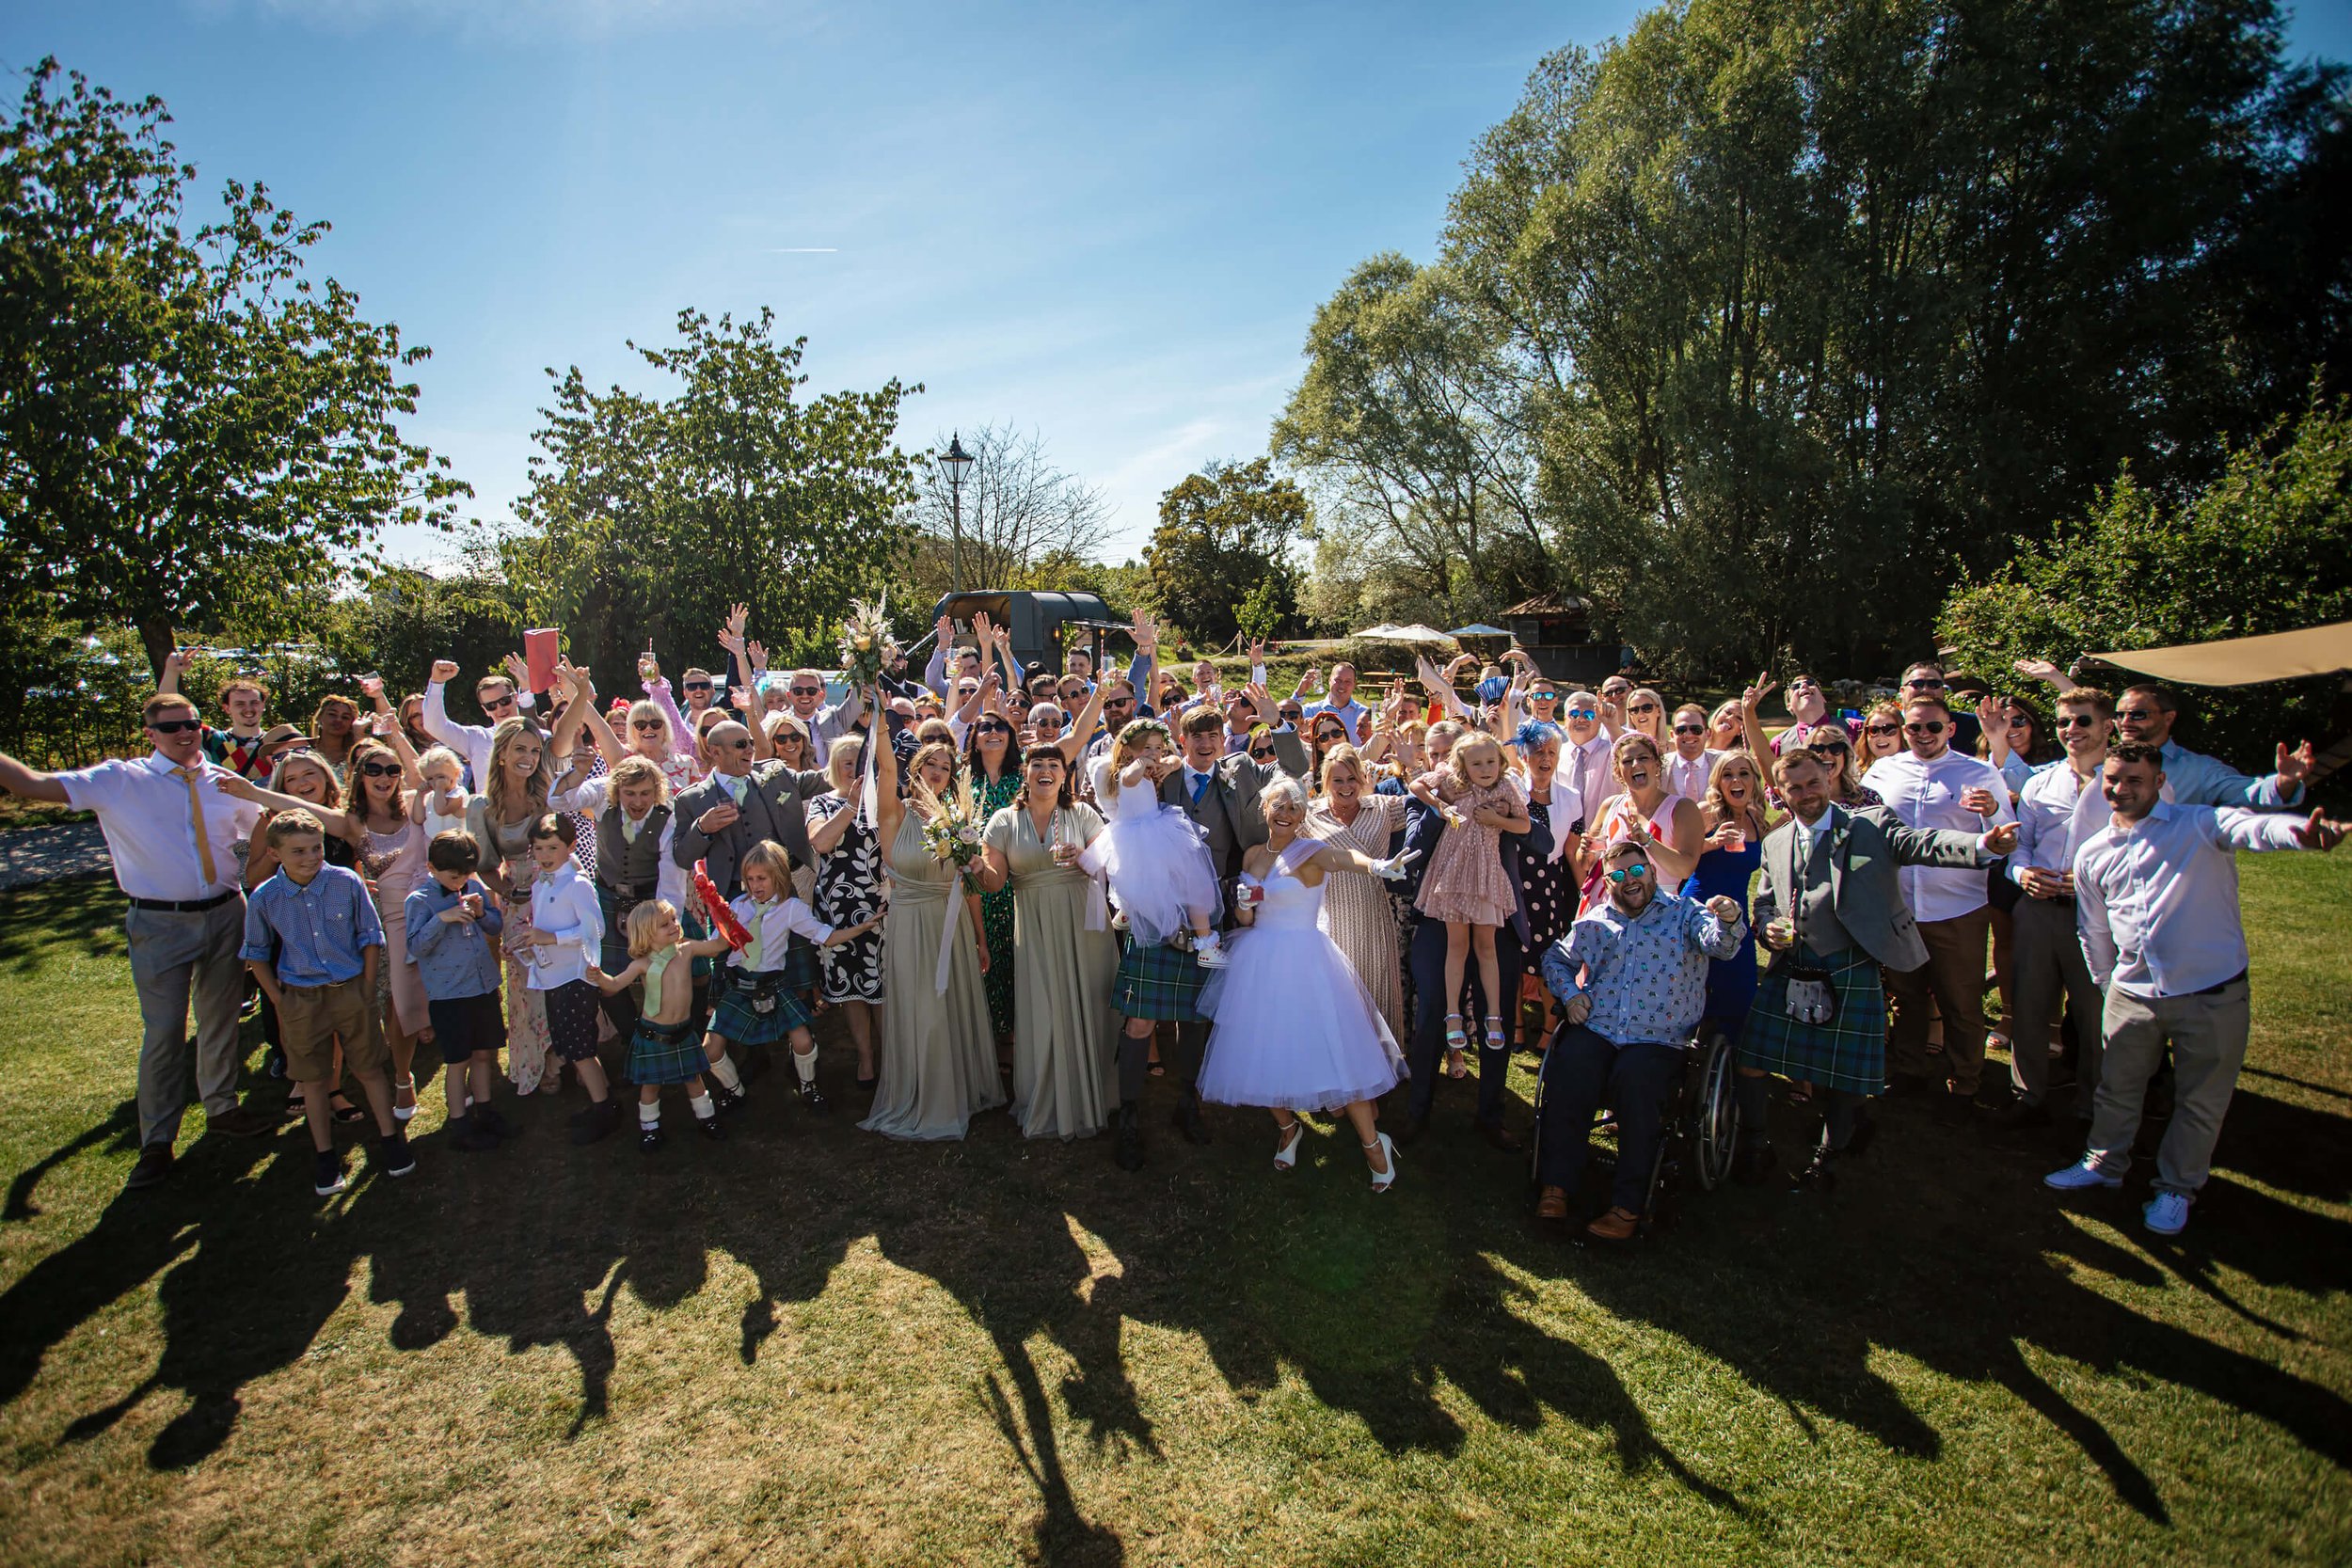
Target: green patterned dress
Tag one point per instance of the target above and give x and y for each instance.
(997, 907)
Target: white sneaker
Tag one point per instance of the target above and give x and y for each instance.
(2078, 1176)
(2167, 1213)
(1209, 951)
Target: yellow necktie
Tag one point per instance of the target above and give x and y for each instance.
(195, 812)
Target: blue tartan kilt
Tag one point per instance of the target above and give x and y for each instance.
(735, 1015)
(1157, 981)
(1847, 1053)
(665, 1054)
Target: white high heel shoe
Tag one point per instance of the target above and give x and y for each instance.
(1287, 1155)
(407, 1112)
(1383, 1180)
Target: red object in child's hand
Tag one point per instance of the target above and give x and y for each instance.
(722, 918)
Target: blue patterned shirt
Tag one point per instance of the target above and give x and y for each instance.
(322, 926)
(1646, 974)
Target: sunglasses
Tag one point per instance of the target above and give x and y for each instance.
(2136, 714)
(1261, 753)
(1690, 729)
(808, 691)
(174, 726)
(380, 770)
(649, 725)
(1629, 873)
(697, 686)
(996, 728)
(1642, 708)
(1925, 683)
(1881, 729)
(2077, 722)
(1118, 702)
(1544, 696)
(741, 744)
(1831, 746)
(1931, 726)
(1583, 713)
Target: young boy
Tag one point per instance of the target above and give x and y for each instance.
(567, 928)
(329, 941)
(662, 1050)
(451, 920)
(763, 999)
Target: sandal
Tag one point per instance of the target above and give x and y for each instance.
(1293, 1133)
(345, 1113)
(404, 1087)
(1456, 1043)
(1494, 1036)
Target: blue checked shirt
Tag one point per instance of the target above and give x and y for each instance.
(452, 960)
(1646, 974)
(323, 928)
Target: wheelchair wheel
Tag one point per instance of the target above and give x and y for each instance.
(1715, 1117)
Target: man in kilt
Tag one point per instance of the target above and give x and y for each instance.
(1161, 981)
(1832, 913)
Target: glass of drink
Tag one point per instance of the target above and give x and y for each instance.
(1782, 930)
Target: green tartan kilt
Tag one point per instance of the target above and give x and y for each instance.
(736, 1018)
(1157, 981)
(1847, 1053)
(672, 1054)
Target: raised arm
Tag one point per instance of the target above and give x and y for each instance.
(18, 779)
(1752, 722)
(463, 738)
(1076, 737)
(244, 788)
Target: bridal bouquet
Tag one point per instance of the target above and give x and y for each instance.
(864, 641)
(953, 837)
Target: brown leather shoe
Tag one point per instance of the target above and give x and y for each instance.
(244, 1121)
(1552, 1204)
(1618, 1225)
(1500, 1136)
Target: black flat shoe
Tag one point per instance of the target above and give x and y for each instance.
(1127, 1138)
(866, 1086)
(650, 1139)
(709, 1127)
(154, 1165)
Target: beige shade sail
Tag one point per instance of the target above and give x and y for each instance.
(2245, 660)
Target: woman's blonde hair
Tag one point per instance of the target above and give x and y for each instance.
(959, 788)
(437, 757)
(305, 759)
(643, 921)
(769, 856)
(1713, 806)
(637, 769)
(778, 723)
(501, 789)
(355, 800)
(643, 708)
(1635, 740)
(1341, 755)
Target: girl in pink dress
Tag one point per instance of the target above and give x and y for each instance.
(1466, 886)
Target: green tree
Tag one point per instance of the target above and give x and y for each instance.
(1799, 314)
(2264, 548)
(650, 515)
(1224, 531)
(190, 431)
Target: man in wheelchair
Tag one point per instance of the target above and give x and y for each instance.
(1632, 979)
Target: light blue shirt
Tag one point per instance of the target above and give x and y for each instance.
(2156, 900)
(323, 928)
(1352, 713)
(1646, 974)
(452, 957)
(2194, 779)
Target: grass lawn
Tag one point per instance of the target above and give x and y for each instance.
(809, 1344)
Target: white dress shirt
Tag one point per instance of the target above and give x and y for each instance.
(150, 825)
(1590, 772)
(1926, 795)
(470, 741)
(2057, 813)
(564, 904)
(1688, 776)
(2156, 900)
(772, 926)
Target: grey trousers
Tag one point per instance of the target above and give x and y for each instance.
(176, 959)
(2208, 1037)
(2045, 960)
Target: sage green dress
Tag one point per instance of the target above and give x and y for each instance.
(1064, 1078)
(938, 1062)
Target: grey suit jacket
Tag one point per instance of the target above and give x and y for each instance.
(776, 808)
(1228, 811)
(1866, 848)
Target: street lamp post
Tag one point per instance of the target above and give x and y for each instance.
(957, 462)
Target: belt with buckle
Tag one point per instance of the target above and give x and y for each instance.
(183, 906)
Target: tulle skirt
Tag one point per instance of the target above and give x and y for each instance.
(1159, 872)
(1294, 1026)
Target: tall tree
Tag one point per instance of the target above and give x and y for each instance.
(1223, 532)
(190, 430)
(1805, 310)
(1019, 510)
(650, 515)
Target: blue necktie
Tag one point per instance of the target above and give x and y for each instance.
(1200, 784)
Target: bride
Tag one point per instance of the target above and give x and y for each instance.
(1295, 1029)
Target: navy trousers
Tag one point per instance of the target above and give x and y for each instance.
(1424, 1052)
(1583, 1072)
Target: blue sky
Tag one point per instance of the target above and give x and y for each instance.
(1109, 222)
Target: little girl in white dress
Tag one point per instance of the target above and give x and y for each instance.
(1152, 855)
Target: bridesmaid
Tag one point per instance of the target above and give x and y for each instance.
(937, 1064)
(991, 765)
(1358, 914)
(848, 892)
(1062, 1063)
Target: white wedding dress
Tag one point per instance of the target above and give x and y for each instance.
(1154, 859)
(1294, 1027)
